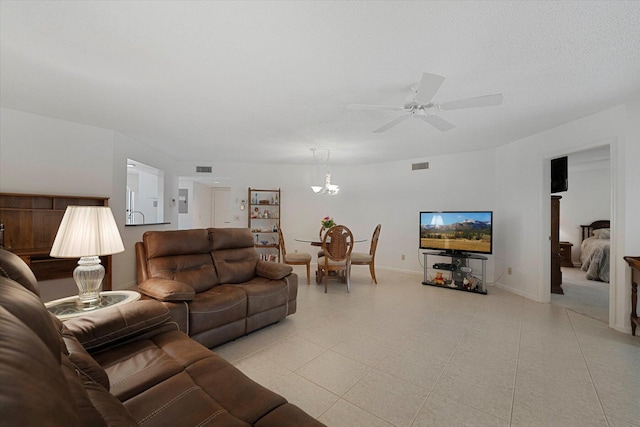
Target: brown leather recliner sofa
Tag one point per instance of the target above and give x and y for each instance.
(122, 366)
(214, 283)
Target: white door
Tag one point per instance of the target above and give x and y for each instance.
(220, 207)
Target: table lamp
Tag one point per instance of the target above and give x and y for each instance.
(87, 232)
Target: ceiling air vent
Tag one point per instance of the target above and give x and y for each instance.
(419, 166)
(204, 169)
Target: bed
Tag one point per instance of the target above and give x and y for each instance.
(595, 249)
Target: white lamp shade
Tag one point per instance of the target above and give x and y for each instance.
(87, 231)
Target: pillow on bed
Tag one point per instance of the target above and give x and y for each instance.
(602, 233)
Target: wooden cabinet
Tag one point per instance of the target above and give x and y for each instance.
(31, 222)
(264, 222)
(556, 273)
(565, 254)
(634, 263)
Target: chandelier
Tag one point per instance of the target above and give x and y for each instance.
(328, 188)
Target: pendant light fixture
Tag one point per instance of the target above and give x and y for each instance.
(328, 188)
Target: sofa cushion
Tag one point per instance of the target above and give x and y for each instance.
(195, 270)
(181, 255)
(234, 254)
(135, 367)
(28, 308)
(201, 387)
(216, 307)
(33, 390)
(176, 242)
(264, 294)
(12, 267)
(273, 270)
(230, 238)
(114, 325)
(81, 360)
(166, 290)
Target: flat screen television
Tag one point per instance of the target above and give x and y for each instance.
(457, 232)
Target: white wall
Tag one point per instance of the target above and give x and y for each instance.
(53, 156)
(43, 155)
(185, 220)
(522, 200)
(390, 194)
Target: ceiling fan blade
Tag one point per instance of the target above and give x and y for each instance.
(478, 101)
(391, 124)
(438, 122)
(374, 107)
(428, 86)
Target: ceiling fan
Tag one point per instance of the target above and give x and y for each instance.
(422, 107)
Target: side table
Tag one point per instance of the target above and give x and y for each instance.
(66, 308)
(565, 254)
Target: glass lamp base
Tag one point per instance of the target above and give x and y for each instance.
(88, 276)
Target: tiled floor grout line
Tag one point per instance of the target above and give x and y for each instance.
(515, 377)
(445, 367)
(584, 359)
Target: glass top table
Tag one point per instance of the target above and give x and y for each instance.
(316, 241)
(66, 308)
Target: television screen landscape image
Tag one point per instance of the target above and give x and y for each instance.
(457, 232)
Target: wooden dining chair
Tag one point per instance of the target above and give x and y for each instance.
(337, 244)
(296, 258)
(321, 235)
(361, 258)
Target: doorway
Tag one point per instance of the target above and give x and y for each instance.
(203, 204)
(587, 199)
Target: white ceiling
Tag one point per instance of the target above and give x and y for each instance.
(267, 81)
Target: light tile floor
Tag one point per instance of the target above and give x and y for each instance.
(403, 354)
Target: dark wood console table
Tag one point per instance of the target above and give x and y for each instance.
(634, 263)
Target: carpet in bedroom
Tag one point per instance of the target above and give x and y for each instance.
(587, 297)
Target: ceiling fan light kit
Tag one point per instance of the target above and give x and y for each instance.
(422, 107)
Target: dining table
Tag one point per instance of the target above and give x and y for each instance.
(317, 241)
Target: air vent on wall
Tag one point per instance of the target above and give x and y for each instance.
(204, 169)
(419, 166)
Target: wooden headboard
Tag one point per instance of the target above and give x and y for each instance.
(587, 230)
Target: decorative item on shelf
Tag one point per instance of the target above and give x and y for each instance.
(439, 279)
(277, 202)
(263, 202)
(327, 222)
(265, 214)
(87, 232)
(264, 242)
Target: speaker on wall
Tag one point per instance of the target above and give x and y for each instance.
(559, 175)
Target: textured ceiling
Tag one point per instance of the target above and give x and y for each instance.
(268, 81)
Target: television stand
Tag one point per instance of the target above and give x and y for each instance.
(458, 274)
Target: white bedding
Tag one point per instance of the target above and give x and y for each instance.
(594, 255)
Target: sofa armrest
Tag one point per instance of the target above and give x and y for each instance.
(167, 290)
(273, 270)
(112, 326)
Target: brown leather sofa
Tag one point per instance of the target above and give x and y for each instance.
(214, 283)
(122, 366)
